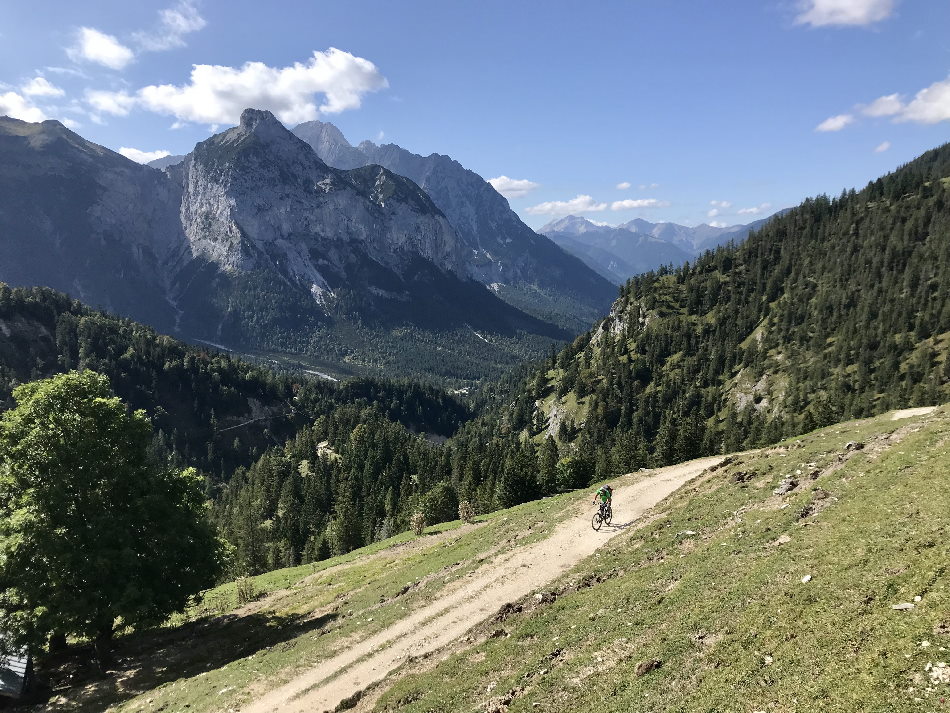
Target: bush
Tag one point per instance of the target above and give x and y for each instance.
(418, 522)
(466, 511)
(246, 591)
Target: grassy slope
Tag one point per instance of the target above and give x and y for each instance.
(219, 654)
(726, 611)
(871, 529)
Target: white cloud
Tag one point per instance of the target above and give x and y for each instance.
(929, 105)
(41, 87)
(512, 187)
(882, 147)
(217, 94)
(95, 46)
(173, 24)
(721, 204)
(630, 203)
(648, 186)
(19, 107)
(835, 123)
(71, 124)
(623, 185)
(755, 210)
(712, 213)
(821, 13)
(580, 204)
(717, 224)
(143, 156)
(106, 102)
(883, 106)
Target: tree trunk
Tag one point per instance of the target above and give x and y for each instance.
(103, 647)
(57, 643)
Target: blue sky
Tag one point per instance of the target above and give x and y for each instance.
(711, 111)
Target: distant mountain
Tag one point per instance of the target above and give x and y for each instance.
(254, 242)
(694, 239)
(166, 161)
(525, 269)
(616, 253)
(620, 252)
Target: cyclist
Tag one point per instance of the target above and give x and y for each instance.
(606, 495)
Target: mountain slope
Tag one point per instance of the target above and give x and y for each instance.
(708, 584)
(732, 597)
(79, 218)
(638, 246)
(838, 308)
(254, 242)
(525, 269)
(617, 253)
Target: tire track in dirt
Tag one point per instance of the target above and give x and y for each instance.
(470, 601)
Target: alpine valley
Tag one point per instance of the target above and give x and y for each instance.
(253, 243)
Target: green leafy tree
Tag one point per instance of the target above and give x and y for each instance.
(94, 532)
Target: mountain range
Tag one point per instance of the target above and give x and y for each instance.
(525, 269)
(252, 241)
(618, 252)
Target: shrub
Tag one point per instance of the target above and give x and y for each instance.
(466, 511)
(246, 591)
(418, 522)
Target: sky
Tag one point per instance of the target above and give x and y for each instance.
(685, 110)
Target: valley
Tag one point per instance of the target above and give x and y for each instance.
(324, 328)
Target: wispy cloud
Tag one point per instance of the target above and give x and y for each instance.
(91, 45)
(835, 123)
(718, 207)
(648, 186)
(580, 204)
(755, 210)
(41, 87)
(512, 187)
(844, 13)
(173, 24)
(217, 94)
(882, 147)
(143, 156)
(930, 105)
(623, 185)
(630, 204)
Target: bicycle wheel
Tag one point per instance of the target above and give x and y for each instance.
(596, 521)
(608, 514)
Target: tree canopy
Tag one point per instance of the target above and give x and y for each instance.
(96, 529)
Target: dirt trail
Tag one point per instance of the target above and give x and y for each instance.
(472, 600)
(911, 412)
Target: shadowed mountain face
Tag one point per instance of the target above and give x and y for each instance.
(251, 241)
(523, 268)
(620, 252)
(79, 218)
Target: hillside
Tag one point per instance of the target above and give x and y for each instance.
(765, 584)
(209, 409)
(838, 308)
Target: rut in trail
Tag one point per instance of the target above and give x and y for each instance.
(470, 601)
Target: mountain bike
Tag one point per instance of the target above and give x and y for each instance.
(602, 516)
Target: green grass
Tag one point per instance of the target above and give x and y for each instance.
(216, 656)
(726, 611)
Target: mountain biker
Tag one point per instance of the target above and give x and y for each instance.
(606, 495)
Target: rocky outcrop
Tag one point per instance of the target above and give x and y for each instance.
(524, 268)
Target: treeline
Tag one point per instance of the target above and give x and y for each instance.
(210, 410)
